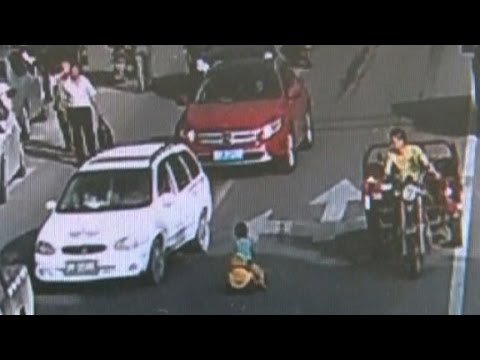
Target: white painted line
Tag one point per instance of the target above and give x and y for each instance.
(457, 284)
(223, 192)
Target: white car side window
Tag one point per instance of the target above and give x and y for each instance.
(165, 183)
(180, 173)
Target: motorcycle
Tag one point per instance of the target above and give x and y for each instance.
(241, 277)
(442, 208)
(409, 227)
(130, 64)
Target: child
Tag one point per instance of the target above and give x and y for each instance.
(244, 250)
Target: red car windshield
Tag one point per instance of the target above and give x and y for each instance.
(237, 84)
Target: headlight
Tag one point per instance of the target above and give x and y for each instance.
(271, 129)
(44, 248)
(188, 135)
(125, 244)
(410, 193)
(268, 55)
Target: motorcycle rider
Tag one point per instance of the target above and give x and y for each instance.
(244, 250)
(408, 159)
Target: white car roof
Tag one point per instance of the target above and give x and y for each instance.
(125, 157)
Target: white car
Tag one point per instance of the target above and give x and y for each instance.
(12, 157)
(122, 213)
(16, 291)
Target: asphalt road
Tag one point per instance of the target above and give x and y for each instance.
(330, 277)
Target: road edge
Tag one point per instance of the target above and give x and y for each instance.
(456, 300)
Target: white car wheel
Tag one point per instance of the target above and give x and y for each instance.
(157, 263)
(203, 233)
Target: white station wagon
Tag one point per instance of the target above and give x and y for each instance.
(122, 213)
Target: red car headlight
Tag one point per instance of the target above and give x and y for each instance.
(189, 135)
(272, 128)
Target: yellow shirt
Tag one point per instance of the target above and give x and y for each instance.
(409, 163)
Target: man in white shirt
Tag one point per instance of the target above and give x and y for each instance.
(81, 99)
(61, 104)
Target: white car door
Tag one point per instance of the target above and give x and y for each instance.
(168, 204)
(195, 189)
(185, 201)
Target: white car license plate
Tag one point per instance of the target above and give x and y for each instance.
(228, 155)
(79, 268)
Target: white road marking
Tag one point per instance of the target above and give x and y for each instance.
(457, 284)
(336, 201)
(223, 192)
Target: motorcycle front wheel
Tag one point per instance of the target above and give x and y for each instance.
(414, 260)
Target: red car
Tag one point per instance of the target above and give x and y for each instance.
(249, 112)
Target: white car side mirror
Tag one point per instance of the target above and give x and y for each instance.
(50, 205)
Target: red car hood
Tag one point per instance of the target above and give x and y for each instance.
(235, 116)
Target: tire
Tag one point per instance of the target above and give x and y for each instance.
(203, 235)
(310, 132)
(155, 273)
(288, 164)
(413, 261)
(3, 181)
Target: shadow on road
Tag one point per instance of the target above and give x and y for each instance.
(43, 150)
(442, 116)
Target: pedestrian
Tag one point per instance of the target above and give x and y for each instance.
(60, 104)
(81, 103)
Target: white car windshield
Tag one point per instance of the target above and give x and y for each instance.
(106, 191)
